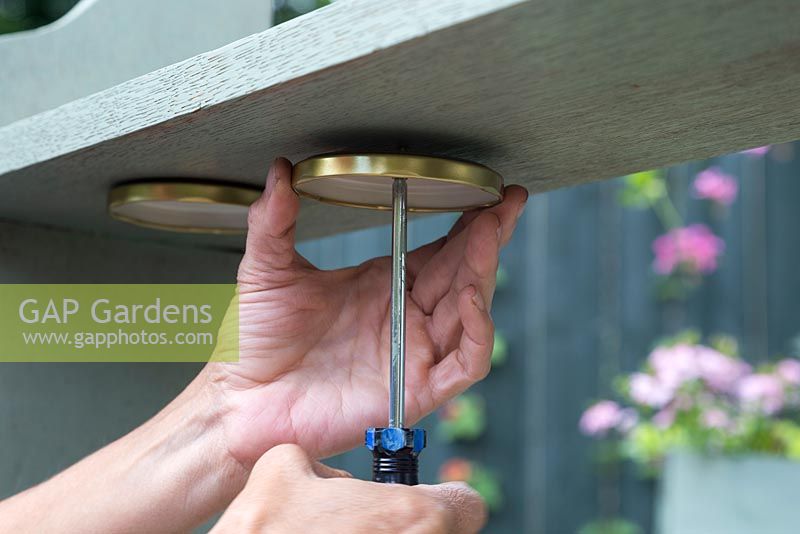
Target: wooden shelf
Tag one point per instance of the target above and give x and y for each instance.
(550, 93)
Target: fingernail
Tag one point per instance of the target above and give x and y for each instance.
(477, 299)
(499, 230)
(521, 210)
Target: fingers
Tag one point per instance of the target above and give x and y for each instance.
(437, 277)
(512, 196)
(439, 262)
(271, 220)
(283, 471)
(289, 492)
(471, 361)
(287, 460)
(419, 257)
(509, 211)
(513, 202)
(481, 256)
(291, 460)
(325, 471)
(466, 510)
(512, 206)
(478, 269)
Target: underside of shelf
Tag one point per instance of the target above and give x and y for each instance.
(547, 92)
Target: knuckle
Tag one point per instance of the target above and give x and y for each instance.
(480, 369)
(279, 458)
(254, 213)
(412, 505)
(434, 517)
(409, 503)
(490, 334)
(488, 219)
(288, 452)
(485, 368)
(439, 521)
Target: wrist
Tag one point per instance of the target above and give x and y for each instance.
(173, 473)
(179, 458)
(246, 417)
(196, 419)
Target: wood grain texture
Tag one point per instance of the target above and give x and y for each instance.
(101, 43)
(550, 93)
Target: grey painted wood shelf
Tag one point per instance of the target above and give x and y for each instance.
(550, 93)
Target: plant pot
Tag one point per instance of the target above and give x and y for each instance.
(748, 494)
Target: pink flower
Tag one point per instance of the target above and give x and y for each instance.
(716, 185)
(716, 418)
(720, 371)
(674, 365)
(762, 392)
(664, 418)
(789, 371)
(601, 417)
(648, 390)
(695, 247)
(757, 151)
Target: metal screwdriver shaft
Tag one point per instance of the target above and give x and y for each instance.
(395, 449)
(398, 346)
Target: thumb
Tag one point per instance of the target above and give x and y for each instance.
(326, 471)
(467, 508)
(271, 220)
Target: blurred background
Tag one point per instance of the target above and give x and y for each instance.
(699, 259)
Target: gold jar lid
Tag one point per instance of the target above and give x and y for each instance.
(365, 181)
(194, 207)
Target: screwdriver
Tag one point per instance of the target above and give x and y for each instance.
(395, 448)
(439, 185)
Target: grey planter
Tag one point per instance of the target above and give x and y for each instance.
(752, 494)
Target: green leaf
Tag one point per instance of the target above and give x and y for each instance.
(487, 483)
(688, 336)
(788, 433)
(463, 418)
(610, 526)
(500, 349)
(643, 189)
(725, 344)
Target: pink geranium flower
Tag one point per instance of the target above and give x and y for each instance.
(600, 418)
(664, 418)
(675, 365)
(789, 371)
(649, 391)
(720, 371)
(715, 185)
(716, 418)
(757, 151)
(694, 247)
(763, 392)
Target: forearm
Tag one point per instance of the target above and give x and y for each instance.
(168, 475)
